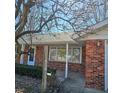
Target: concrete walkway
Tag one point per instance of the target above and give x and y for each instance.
(74, 83)
(89, 90)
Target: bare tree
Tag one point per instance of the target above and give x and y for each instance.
(50, 16)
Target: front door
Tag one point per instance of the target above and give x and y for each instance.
(31, 56)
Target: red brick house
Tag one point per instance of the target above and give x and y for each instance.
(88, 55)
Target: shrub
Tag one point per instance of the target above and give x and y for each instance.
(33, 71)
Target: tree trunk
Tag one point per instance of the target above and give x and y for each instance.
(44, 76)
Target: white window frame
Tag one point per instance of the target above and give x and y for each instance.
(72, 47)
(50, 52)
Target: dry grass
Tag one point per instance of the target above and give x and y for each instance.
(24, 84)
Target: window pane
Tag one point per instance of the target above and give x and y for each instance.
(76, 55)
(53, 54)
(61, 55)
(70, 55)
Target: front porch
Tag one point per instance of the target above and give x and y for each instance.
(90, 60)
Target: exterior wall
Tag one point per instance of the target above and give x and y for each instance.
(25, 59)
(83, 57)
(94, 64)
(54, 64)
(39, 55)
(17, 60)
(17, 56)
(61, 66)
(77, 67)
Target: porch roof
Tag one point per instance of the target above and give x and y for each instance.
(100, 32)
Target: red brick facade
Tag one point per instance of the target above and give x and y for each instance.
(17, 60)
(25, 55)
(94, 64)
(83, 58)
(39, 55)
(61, 66)
(55, 64)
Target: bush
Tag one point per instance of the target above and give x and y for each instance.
(33, 71)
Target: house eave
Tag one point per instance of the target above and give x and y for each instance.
(100, 32)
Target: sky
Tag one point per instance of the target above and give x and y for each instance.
(80, 24)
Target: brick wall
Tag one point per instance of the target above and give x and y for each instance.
(17, 56)
(94, 64)
(55, 64)
(61, 66)
(17, 60)
(25, 59)
(39, 55)
(83, 57)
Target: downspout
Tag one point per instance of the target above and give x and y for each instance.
(106, 67)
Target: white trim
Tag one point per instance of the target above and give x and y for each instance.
(106, 66)
(66, 66)
(22, 55)
(71, 47)
(54, 47)
(49, 52)
(33, 62)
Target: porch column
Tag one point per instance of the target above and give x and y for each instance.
(22, 55)
(44, 76)
(66, 66)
